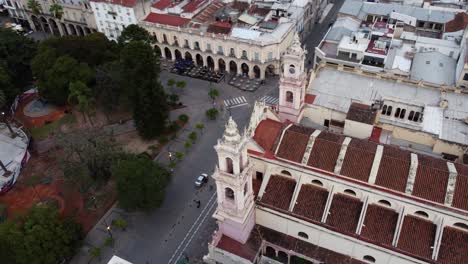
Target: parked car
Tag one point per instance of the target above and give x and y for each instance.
(201, 179)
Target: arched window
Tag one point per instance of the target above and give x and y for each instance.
(246, 188)
(402, 113)
(229, 166)
(397, 112)
(164, 38)
(289, 97)
(350, 192)
(229, 193)
(422, 214)
(385, 202)
(411, 115)
(244, 54)
(317, 182)
(369, 259)
(389, 110)
(155, 38)
(285, 172)
(461, 225)
(303, 235)
(416, 117)
(384, 109)
(291, 66)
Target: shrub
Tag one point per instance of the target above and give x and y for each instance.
(179, 156)
(187, 145)
(193, 136)
(183, 118)
(109, 242)
(212, 113)
(120, 223)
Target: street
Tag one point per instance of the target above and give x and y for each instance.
(178, 229)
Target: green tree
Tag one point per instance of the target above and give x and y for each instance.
(193, 136)
(134, 33)
(173, 98)
(140, 79)
(39, 237)
(8, 91)
(183, 118)
(120, 223)
(56, 10)
(171, 82)
(88, 157)
(200, 126)
(181, 85)
(212, 113)
(81, 96)
(95, 253)
(108, 90)
(140, 183)
(34, 6)
(16, 53)
(213, 93)
(55, 83)
(187, 145)
(179, 156)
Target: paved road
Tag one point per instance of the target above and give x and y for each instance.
(179, 228)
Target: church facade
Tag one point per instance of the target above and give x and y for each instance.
(291, 193)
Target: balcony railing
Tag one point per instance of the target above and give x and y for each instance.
(244, 57)
(232, 55)
(186, 46)
(220, 52)
(197, 48)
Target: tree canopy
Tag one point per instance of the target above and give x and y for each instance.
(134, 33)
(141, 81)
(16, 52)
(7, 90)
(140, 183)
(39, 237)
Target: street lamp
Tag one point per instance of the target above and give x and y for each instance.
(109, 231)
(13, 134)
(170, 156)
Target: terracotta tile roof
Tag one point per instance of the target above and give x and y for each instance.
(166, 19)
(309, 98)
(193, 5)
(162, 4)
(361, 113)
(460, 22)
(454, 246)
(344, 213)
(394, 168)
(126, 3)
(266, 133)
(279, 192)
(379, 224)
(325, 152)
(294, 143)
(246, 251)
(304, 248)
(219, 28)
(431, 183)
(460, 196)
(417, 236)
(358, 160)
(436, 163)
(310, 202)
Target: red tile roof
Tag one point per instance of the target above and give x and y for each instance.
(219, 28)
(460, 22)
(310, 98)
(294, 143)
(325, 152)
(454, 246)
(163, 4)
(379, 224)
(417, 236)
(394, 168)
(304, 248)
(193, 5)
(460, 196)
(126, 3)
(166, 19)
(358, 160)
(266, 133)
(242, 250)
(361, 113)
(279, 192)
(431, 183)
(344, 213)
(310, 202)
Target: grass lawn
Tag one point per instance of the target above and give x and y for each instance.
(43, 132)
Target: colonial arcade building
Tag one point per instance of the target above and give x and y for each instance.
(292, 193)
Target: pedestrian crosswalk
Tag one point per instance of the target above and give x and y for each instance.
(235, 102)
(269, 100)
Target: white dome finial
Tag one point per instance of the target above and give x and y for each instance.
(231, 133)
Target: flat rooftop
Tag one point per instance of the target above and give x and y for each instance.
(336, 90)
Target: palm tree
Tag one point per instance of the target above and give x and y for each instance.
(81, 96)
(181, 85)
(34, 6)
(56, 10)
(213, 93)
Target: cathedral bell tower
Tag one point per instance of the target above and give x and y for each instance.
(233, 177)
(292, 87)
